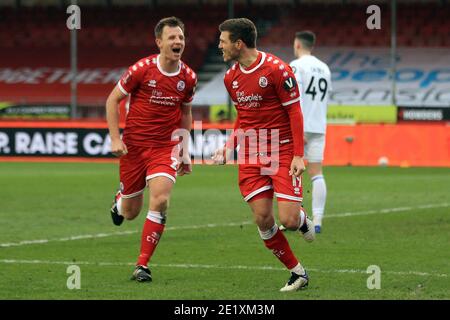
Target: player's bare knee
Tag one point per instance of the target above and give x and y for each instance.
(290, 222)
(264, 221)
(130, 213)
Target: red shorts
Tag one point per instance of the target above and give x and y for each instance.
(141, 164)
(265, 180)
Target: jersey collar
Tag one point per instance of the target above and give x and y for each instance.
(167, 73)
(263, 58)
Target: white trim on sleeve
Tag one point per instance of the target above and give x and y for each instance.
(290, 102)
(122, 89)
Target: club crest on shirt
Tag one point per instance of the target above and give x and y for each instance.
(263, 82)
(181, 85)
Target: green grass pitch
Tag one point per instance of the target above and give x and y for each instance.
(394, 218)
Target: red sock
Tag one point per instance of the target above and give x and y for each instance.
(151, 234)
(281, 249)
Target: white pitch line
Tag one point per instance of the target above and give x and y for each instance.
(388, 210)
(120, 233)
(212, 266)
(215, 225)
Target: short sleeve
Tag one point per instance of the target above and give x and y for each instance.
(132, 78)
(286, 85)
(192, 82)
(227, 83)
(298, 72)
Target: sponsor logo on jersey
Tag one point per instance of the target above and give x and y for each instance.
(285, 74)
(263, 82)
(234, 85)
(181, 85)
(289, 84)
(157, 93)
(152, 83)
(165, 101)
(250, 101)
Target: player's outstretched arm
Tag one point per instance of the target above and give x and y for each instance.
(296, 124)
(185, 165)
(118, 148)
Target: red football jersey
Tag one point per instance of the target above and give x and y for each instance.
(154, 101)
(261, 94)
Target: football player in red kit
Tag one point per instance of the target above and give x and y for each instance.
(160, 89)
(265, 93)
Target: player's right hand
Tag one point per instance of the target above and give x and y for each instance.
(118, 148)
(221, 155)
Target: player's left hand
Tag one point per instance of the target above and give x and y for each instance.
(184, 165)
(297, 166)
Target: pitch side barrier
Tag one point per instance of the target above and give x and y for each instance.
(402, 144)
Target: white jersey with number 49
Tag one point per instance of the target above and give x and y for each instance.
(314, 80)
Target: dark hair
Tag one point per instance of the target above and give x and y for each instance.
(240, 28)
(308, 38)
(171, 22)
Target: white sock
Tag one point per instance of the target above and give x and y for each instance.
(298, 269)
(302, 218)
(157, 217)
(266, 235)
(119, 206)
(319, 197)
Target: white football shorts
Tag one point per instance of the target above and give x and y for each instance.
(314, 147)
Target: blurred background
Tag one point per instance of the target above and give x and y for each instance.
(368, 124)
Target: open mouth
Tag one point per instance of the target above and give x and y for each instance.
(176, 50)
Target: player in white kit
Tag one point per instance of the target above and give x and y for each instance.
(314, 80)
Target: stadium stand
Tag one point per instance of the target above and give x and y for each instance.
(115, 37)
